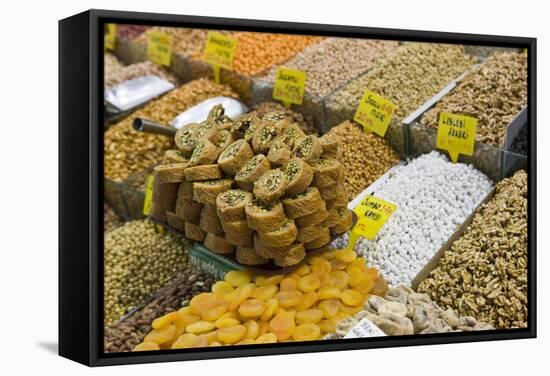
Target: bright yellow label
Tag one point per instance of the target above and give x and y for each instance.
(159, 47)
(289, 86)
(148, 195)
(374, 113)
(220, 50)
(456, 134)
(110, 36)
(372, 214)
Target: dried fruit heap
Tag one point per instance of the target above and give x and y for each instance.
(272, 194)
(302, 306)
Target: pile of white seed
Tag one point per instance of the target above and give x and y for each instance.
(433, 197)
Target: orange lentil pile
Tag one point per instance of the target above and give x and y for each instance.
(257, 52)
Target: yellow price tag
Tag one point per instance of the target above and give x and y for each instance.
(372, 214)
(374, 113)
(148, 195)
(109, 36)
(456, 134)
(219, 51)
(159, 47)
(289, 86)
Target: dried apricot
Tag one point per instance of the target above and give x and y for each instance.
(288, 284)
(267, 338)
(222, 288)
(271, 306)
(214, 313)
(329, 255)
(225, 322)
(303, 270)
(288, 298)
(160, 336)
(246, 341)
(324, 278)
(380, 287)
(146, 346)
(211, 336)
(345, 255)
(264, 328)
(214, 344)
(352, 310)
(309, 283)
(185, 311)
(162, 321)
(309, 315)
(323, 267)
(327, 325)
(231, 334)
(252, 329)
(351, 297)
(239, 295)
(273, 280)
(264, 292)
(252, 308)
(306, 332)
(238, 277)
(185, 341)
(203, 302)
(312, 260)
(329, 307)
(308, 300)
(338, 265)
(365, 286)
(359, 262)
(200, 327)
(329, 293)
(339, 279)
(202, 341)
(371, 273)
(282, 325)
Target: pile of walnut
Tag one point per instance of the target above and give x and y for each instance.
(403, 311)
(255, 187)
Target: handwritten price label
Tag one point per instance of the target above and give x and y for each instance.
(159, 47)
(456, 134)
(148, 195)
(109, 36)
(372, 214)
(374, 113)
(289, 86)
(364, 329)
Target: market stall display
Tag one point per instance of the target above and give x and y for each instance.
(138, 261)
(484, 274)
(237, 200)
(111, 64)
(433, 197)
(402, 311)
(110, 219)
(129, 31)
(184, 285)
(244, 309)
(263, 108)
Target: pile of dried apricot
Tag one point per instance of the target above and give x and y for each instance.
(301, 306)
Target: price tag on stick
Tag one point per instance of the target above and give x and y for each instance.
(148, 195)
(374, 113)
(219, 51)
(289, 86)
(110, 36)
(456, 134)
(159, 47)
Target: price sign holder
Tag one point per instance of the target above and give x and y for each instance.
(374, 113)
(110, 36)
(289, 86)
(159, 47)
(219, 51)
(456, 134)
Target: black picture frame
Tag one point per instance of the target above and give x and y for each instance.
(81, 182)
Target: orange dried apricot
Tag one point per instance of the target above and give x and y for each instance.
(329, 293)
(252, 308)
(303, 270)
(345, 255)
(380, 287)
(203, 302)
(252, 329)
(267, 338)
(273, 280)
(309, 315)
(288, 298)
(306, 332)
(352, 310)
(185, 341)
(339, 279)
(160, 336)
(222, 288)
(327, 325)
(264, 328)
(231, 334)
(338, 265)
(288, 284)
(146, 346)
(200, 327)
(271, 306)
(329, 307)
(308, 300)
(282, 325)
(162, 321)
(264, 292)
(351, 297)
(202, 341)
(238, 277)
(239, 295)
(214, 313)
(309, 283)
(323, 267)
